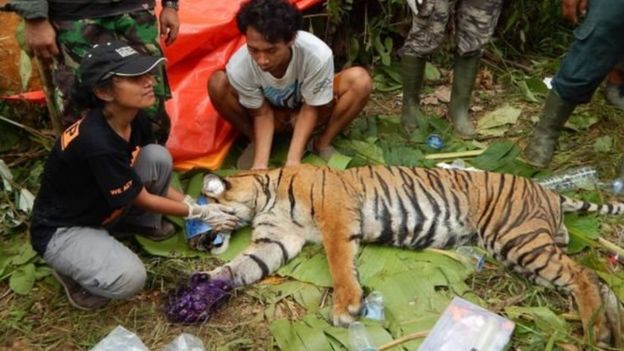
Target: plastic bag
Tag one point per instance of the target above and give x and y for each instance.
(120, 339)
(185, 342)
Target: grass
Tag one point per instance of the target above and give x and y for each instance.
(43, 320)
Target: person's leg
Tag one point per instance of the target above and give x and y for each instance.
(95, 261)
(154, 166)
(591, 56)
(476, 21)
(225, 100)
(425, 36)
(614, 91)
(140, 30)
(352, 88)
(74, 39)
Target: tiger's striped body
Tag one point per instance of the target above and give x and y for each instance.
(519, 222)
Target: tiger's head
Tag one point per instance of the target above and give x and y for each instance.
(241, 192)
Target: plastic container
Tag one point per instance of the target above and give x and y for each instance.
(615, 187)
(471, 256)
(200, 236)
(464, 326)
(374, 306)
(185, 342)
(581, 177)
(435, 141)
(359, 339)
(120, 338)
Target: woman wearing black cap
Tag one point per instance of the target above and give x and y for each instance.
(104, 177)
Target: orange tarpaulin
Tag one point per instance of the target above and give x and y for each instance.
(208, 37)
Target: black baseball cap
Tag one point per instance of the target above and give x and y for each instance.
(114, 58)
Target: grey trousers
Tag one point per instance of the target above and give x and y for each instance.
(95, 259)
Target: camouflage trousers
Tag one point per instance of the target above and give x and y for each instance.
(475, 21)
(139, 29)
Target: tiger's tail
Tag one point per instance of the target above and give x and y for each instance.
(580, 206)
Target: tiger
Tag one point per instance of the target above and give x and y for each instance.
(516, 220)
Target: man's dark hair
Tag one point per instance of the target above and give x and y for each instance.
(276, 20)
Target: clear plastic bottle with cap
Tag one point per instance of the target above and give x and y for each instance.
(374, 306)
(359, 339)
(472, 256)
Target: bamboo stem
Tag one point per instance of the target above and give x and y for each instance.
(611, 246)
(48, 89)
(405, 338)
(458, 154)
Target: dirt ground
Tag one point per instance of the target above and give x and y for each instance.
(10, 81)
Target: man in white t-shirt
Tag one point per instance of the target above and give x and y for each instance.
(283, 80)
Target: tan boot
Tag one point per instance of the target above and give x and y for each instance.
(464, 73)
(539, 152)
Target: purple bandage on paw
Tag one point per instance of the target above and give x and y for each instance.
(195, 300)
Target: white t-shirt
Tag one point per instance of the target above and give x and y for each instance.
(309, 77)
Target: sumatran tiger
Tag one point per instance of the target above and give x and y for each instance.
(517, 221)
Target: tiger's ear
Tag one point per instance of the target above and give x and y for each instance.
(214, 185)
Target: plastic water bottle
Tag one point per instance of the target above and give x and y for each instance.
(435, 141)
(358, 338)
(581, 177)
(615, 187)
(374, 306)
(471, 256)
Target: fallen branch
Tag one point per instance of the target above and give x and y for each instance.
(403, 339)
(458, 154)
(611, 246)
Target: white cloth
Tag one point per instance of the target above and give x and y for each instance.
(308, 79)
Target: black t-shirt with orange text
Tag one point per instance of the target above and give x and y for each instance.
(88, 178)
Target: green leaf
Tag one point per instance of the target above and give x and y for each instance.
(339, 161)
(23, 279)
(544, 318)
(498, 155)
(26, 253)
(25, 69)
(25, 201)
(502, 116)
(309, 266)
(6, 175)
(432, 72)
(526, 91)
(176, 246)
(603, 144)
(583, 230)
(615, 281)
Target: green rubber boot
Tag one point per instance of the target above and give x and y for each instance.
(413, 72)
(464, 73)
(539, 152)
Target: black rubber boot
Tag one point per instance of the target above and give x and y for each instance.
(464, 73)
(539, 152)
(413, 72)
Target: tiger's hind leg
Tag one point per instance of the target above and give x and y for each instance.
(537, 253)
(615, 315)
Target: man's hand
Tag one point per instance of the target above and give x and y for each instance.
(220, 217)
(169, 25)
(40, 39)
(573, 9)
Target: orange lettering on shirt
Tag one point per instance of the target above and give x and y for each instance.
(135, 152)
(120, 190)
(70, 134)
(116, 213)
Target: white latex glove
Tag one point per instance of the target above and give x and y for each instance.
(189, 201)
(220, 217)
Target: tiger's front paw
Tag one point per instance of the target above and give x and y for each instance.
(347, 305)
